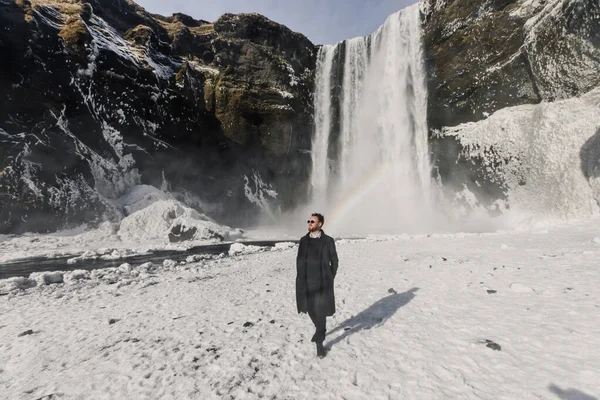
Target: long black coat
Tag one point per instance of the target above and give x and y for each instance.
(324, 298)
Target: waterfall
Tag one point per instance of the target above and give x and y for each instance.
(371, 168)
(320, 167)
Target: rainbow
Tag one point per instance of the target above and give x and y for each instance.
(352, 197)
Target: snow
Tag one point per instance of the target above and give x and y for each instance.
(418, 316)
(203, 68)
(260, 193)
(294, 79)
(284, 94)
(239, 248)
(150, 216)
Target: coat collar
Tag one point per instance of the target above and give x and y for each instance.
(322, 234)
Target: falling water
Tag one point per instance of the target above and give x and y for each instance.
(379, 178)
(320, 166)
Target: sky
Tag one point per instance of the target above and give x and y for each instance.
(322, 21)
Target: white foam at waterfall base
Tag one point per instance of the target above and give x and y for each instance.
(547, 155)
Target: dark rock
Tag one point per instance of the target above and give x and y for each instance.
(490, 291)
(391, 290)
(248, 324)
(481, 57)
(26, 333)
(272, 321)
(113, 321)
(492, 345)
(180, 233)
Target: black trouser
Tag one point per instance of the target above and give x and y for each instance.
(318, 320)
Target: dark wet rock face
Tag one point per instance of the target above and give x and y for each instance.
(483, 56)
(99, 96)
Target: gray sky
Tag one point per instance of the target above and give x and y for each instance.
(322, 21)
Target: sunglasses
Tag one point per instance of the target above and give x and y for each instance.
(310, 221)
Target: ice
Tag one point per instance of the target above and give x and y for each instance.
(536, 152)
(258, 192)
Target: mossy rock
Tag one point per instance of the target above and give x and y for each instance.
(75, 36)
(139, 35)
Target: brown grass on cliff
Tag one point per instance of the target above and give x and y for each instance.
(75, 34)
(173, 27)
(66, 7)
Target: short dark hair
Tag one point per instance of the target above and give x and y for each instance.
(320, 217)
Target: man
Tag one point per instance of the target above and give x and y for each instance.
(316, 265)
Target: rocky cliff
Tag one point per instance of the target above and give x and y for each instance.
(99, 96)
(484, 56)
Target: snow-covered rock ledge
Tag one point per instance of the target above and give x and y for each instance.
(152, 220)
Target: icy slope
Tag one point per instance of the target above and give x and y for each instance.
(546, 157)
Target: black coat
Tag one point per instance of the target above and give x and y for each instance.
(324, 298)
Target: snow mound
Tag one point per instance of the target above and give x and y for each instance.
(141, 197)
(156, 215)
(77, 275)
(48, 278)
(17, 283)
(283, 246)
(239, 248)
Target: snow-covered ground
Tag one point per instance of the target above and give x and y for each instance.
(511, 315)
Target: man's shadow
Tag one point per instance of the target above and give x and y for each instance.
(570, 394)
(374, 316)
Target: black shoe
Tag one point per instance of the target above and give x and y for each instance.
(321, 352)
(314, 338)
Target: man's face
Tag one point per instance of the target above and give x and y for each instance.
(313, 224)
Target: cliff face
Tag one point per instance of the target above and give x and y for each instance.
(483, 56)
(99, 96)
